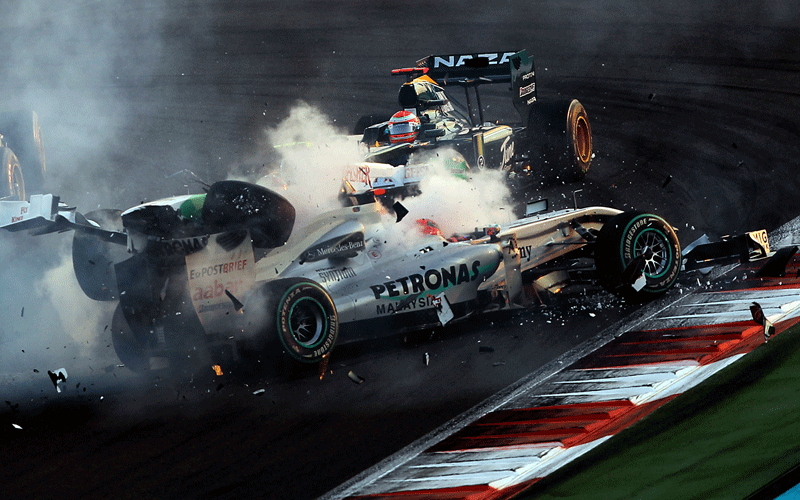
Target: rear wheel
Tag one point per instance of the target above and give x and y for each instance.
(560, 139)
(297, 312)
(637, 244)
(13, 182)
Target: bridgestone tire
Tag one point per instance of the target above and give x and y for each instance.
(560, 139)
(130, 349)
(632, 234)
(13, 183)
(21, 133)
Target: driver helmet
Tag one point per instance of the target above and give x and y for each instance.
(429, 228)
(403, 127)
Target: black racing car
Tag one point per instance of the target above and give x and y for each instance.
(553, 140)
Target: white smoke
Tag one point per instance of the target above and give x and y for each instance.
(460, 202)
(313, 156)
(48, 322)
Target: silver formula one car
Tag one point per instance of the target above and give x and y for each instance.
(227, 273)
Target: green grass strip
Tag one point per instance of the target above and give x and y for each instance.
(725, 438)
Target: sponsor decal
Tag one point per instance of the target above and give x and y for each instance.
(527, 89)
(23, 210)
(761, 238)
(525, 252)
(531, 100)
(527, 76)
(432, 279)
(340, 248)
(415, 172)
(227, 267)
(216, 290)
(213, 307)
(358, 173)
(170, 248)
(507, 149)
(375, 254)
(213, 271)
(459, 61)
(16, 218)
(335, 274)
(425, 302)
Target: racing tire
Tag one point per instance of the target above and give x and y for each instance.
(93, 260)
(560, 139)
(299, 312)
(631, 235)
(367, 121)
(13, 186)
(130, 349)
(22, 133)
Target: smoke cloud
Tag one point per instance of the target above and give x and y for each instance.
(312, 156)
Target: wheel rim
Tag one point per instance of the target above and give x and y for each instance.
(583, 139)
(654, 246)
(308, 322)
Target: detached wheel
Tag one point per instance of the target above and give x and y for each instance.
(21, 132)
(130, 348)
(13, 183)
(561, 139)
(636, 242)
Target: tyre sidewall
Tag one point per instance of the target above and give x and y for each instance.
(616, 247)
(312, 294)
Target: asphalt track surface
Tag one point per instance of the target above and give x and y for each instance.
(128, 94)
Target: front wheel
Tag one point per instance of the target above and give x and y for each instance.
(637, 244)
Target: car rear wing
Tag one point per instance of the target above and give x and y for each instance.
(468, 69)
(471, 70)
(45, 213)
